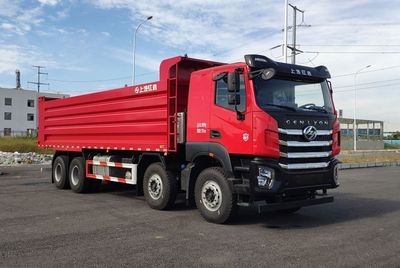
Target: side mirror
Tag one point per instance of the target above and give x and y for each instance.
(234, 99)
(233, 82)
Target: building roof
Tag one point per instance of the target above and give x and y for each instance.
(359, 121)
(48, 94)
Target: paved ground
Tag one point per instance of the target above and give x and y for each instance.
(41, 226)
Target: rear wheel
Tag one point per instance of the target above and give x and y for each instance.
(160, 187)
(213, 195)
(60, 172)
(77, 176)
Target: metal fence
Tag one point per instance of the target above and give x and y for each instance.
(27, 133)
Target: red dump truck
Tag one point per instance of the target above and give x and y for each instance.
(255, 133)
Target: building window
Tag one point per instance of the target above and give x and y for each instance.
(31, 117)
(7, 101)
(31, 103)
(7, 132)
(7, 116)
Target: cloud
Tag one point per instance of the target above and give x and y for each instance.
(151, 63)
(19, 20)
(49, 2)
(21, 57)
(200, 25)
(62, 14)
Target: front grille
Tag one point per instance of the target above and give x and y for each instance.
(297, 153)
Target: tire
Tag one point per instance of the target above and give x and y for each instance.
(289, 210)
(77, 176)
(60, 172)
(213, 195)
(159, 187)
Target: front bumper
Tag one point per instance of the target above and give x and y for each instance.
(286, 182)
(265, 207)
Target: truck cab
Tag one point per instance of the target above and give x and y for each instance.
(272, 126)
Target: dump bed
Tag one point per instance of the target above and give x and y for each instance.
(141, 117)
(129, 118)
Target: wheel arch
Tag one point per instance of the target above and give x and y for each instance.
(144, 161)
(193, 169)
(211, 149)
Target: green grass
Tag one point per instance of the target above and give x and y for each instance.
(21, 145)
(392, 146)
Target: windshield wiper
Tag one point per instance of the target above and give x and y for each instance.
(281, 106)
(314, 108)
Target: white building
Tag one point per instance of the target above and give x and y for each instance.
(18, 111)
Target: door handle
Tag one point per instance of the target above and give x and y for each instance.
(215, 134)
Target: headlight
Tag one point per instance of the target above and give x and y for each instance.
(266, 177)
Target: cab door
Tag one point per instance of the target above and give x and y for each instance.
(226, 128)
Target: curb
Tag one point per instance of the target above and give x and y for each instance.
(369, 165)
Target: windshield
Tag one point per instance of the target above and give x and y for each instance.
(292, 95)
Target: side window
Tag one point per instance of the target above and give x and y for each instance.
(221, 94)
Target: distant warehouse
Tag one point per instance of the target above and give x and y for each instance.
(18, 111)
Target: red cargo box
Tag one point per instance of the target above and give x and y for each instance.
(130, 118)
(142, 117)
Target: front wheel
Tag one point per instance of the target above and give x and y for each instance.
(214, 197)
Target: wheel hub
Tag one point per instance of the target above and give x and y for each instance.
(155, 186)
(211, 195)
(75, 175)
(57, 173)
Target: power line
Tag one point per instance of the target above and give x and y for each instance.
(347, 45)
(369, 83)
(353, 52)
(99, 80)
(39, 73)
(381, 69)
(367, 88)
(350, 24)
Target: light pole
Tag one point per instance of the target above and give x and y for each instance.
(355, 107)
(134, 48)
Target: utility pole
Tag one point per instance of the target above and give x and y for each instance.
(285, 30)
(293, 48)
(38, 83)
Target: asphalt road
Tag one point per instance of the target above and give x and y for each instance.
(41, 226)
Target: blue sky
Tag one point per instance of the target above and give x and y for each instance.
(86, 45)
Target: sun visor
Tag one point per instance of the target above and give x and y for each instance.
(286, 70)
